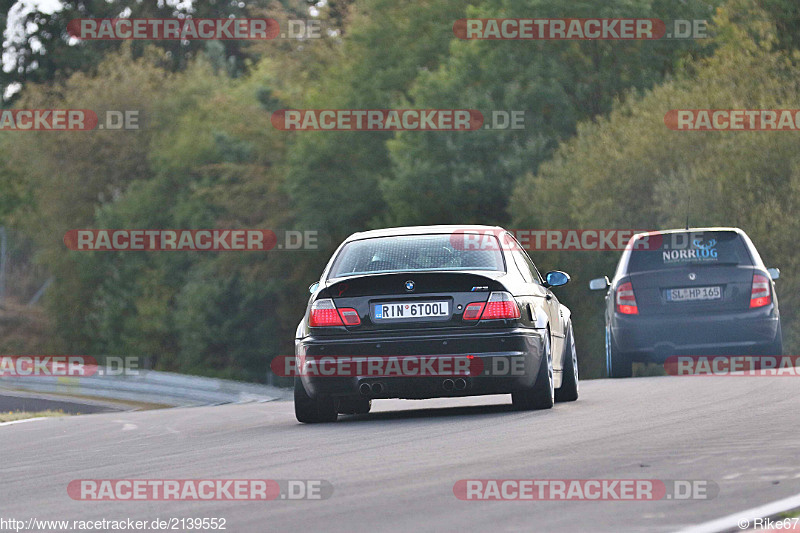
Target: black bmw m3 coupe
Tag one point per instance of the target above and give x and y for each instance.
(420, 297)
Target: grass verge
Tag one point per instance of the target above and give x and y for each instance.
(11, 416)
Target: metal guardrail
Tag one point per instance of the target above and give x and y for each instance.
(149, 386)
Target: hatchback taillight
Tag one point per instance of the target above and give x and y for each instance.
(626, 300)
(324, 313)
(761, 294)
(501, 305)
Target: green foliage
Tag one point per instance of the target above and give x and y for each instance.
(594, 153)
(44, 52)
(388, 44)
(469, 177)
(224, 326)
(630, 171)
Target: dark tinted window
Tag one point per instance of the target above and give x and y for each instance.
(412, 253)
(673, 250)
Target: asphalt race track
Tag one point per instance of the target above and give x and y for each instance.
(394, 470)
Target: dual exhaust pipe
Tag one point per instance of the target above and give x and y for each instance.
(373, 388)
(458, 384)
(449, 385)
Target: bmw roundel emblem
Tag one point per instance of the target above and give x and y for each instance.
(409, 285)
(692, 276)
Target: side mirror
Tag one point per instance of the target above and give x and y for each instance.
(313, 287)
(774, 273)
(556, 278)
(599, 284)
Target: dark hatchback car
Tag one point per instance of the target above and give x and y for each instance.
(700, 291)
(434, 292)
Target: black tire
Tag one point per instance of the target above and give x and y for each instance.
(618, 364)
(568, 391)
(542, 394)
(310, 410)
(356, 406)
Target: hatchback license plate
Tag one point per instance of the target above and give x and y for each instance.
(406, 311)
(694, 293)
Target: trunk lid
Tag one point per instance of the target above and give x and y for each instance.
(418, 300)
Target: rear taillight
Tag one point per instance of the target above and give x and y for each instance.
(501, 305)
(761, 294)
(324, 313)
(473, 311)
(350, 316)
(626, 300)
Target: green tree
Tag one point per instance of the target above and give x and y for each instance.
(631, 171)
(44, 52)
(469, 176)
(332, 177)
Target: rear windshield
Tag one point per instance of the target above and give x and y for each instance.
(673, 250)
(412, 253)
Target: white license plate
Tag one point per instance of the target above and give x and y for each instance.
(694, 293)
(410, 310)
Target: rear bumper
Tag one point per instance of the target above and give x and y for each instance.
(520, 349)
(654, 338)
